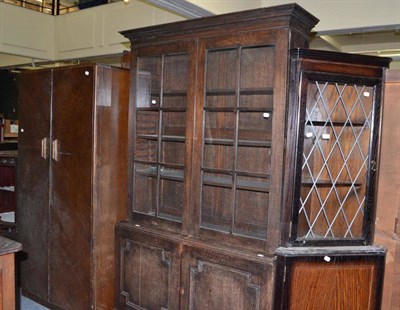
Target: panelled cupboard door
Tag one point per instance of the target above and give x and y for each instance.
(215, 279)
(158, 271)
(348, 281)
(70, 205)
(33, 209)
(148, 272)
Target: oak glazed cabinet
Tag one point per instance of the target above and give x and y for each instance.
(215, 162)
(71, 183)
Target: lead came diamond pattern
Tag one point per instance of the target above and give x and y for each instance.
(335, 160)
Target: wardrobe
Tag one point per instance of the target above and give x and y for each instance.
(71, 182)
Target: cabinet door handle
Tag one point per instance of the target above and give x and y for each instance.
(44, 149)
(54, 153)
(373, 165)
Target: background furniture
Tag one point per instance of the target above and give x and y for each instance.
(8, 248)
(8, 166)
(241, 151)
(71, 182)
(387, 232)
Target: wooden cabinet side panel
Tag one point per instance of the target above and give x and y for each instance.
(110, 177)
(71, 188)
(33, 181)
(387, 230)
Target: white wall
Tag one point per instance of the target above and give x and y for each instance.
(90, 32)
(333, 14)
(95, 31)
(25, 32)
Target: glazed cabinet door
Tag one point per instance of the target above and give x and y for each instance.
(33, 179)
(340, 111)
(241, 113)
(70, 204)
(161, 122)
(213, 279)
(147, 271)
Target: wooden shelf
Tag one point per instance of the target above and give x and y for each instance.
(175, 93)
(240, 109)
(230, 142)
(227, 182)
(167, 138)
(324, 183)
(243, 91)
(334, 123)
(157, 108)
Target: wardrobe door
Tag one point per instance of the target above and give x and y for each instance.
(70, 209)
(33, 180)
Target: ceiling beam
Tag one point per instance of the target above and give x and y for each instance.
(181, 7)
(332, 42)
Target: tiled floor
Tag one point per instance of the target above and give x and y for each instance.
(27, 304)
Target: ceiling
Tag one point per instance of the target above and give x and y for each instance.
(377, 41)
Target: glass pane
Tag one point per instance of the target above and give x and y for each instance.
(145, 189)
(146, 150)
(255, 126)
(257, 67)
(221, 70)
(251, 211)
(219, 125)
(173, 124)
(217, 202)
(171, 194)
(254, 159)
(173, 153)
(256, 101)
(147, 123)
(148, 82)
(218, 157)
(335, 160)
(175, 81)
(175, 73)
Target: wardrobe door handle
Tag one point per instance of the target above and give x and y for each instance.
(54, 154)
(44, 149)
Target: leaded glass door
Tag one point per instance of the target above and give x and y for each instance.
(338, 158)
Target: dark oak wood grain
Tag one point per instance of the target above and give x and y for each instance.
(70, 200)
(216, 126)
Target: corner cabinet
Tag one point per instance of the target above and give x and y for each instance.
(213, 172)
(71, 183)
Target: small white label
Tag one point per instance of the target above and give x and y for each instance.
(366, 94)
(327, 259)
(137, 225)
(13, 128)
(87, 73)
(309, 134)
(266, 115)
(326, 136)
(260, 255)
(153, 101)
